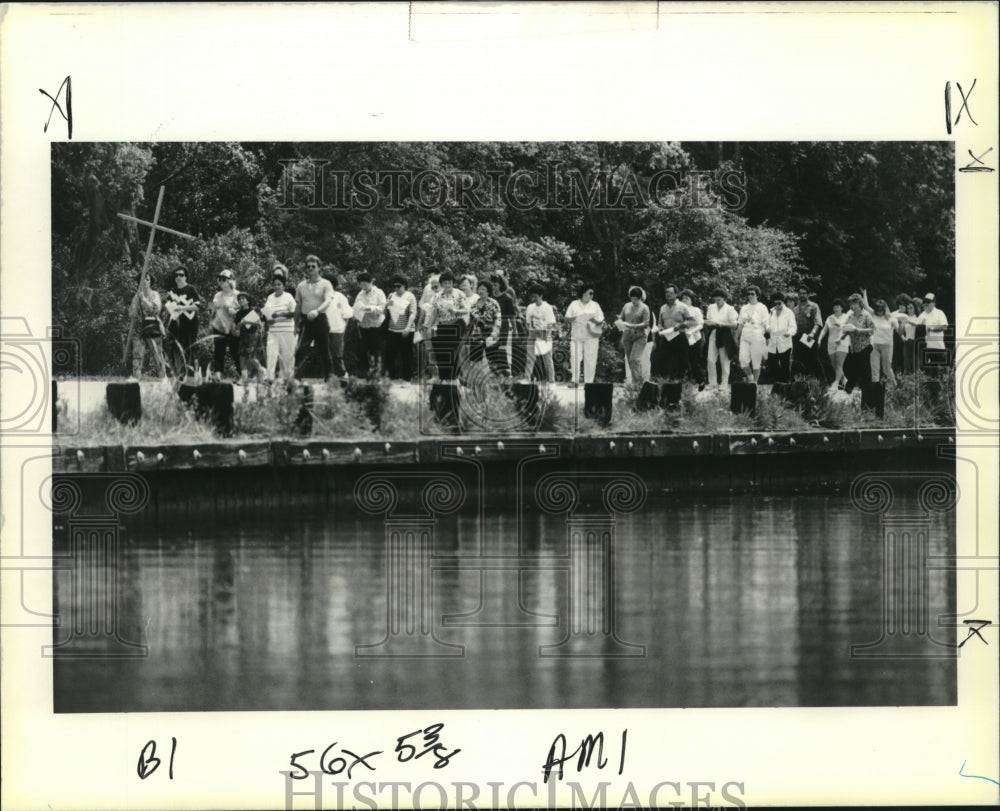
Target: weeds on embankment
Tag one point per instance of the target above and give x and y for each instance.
(367, 410)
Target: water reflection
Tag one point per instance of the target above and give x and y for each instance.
(737, 602)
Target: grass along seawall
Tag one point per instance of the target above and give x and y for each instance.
(697, 448)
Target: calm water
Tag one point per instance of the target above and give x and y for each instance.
(737, 602)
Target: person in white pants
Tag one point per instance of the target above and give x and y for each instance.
(279, 312)
(587, 320)
(720, 322)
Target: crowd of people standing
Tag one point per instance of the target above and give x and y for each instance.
(460, 324)
(863, 342)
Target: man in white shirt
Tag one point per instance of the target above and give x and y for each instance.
(587, 320)
(369, 310)
(781, 330)
(541, 322)
(752, 322)
(935, 353)
(720, 322)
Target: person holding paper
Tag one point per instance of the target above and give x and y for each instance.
(369, 311)
(780, 330)
(181, 303)
(633, 321)
(750, 328)
(837, 342)
(721, 321)
(279, 314)
(587, 320)
(671, 360)
(696, 344)
(859, 328)
(808, 323)
(540, 320)
(313, 299)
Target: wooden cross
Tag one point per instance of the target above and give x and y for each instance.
(154, 226)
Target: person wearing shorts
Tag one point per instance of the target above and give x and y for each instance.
(837, 342)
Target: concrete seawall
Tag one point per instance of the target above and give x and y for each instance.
(241, 476)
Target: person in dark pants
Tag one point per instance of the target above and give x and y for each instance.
(181, 303)
(484, 327)
(780, 330)
(808, 324)
(401, 306)
(513, 342)
(696, 344)
(445, 323)
(369, 312)
(671, 360)
(908, 334)
(224, 324)
(313, 298)
(859, 328)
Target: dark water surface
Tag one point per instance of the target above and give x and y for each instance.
(736, 601)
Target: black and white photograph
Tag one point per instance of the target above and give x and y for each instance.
(546, 425)
(499, 406)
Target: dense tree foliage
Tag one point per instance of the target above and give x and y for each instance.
(835, 215)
